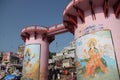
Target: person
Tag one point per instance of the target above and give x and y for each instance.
(50, 74)
(55, 72)
(72, 76)
(58, 76)
(65, 71)
(0, 75)
(94, 59)
(7, 68)
(16, 72)
(3, 66)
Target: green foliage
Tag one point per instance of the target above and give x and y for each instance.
(51, 54)
(104, 62)
(85, 60)
(97, 70)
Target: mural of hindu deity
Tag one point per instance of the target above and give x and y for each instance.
(96, 57)
(31, 63)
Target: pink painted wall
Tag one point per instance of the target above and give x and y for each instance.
(109, 23)
(44, 55)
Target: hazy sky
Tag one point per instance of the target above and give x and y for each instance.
(17, 14)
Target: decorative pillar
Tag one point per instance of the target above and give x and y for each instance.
(36, 54)
(97, 38)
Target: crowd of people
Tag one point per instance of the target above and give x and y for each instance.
(60, 74)
(55, 73)
(8, 70)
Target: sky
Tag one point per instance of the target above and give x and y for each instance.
(17, 14)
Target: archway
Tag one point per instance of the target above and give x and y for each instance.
(91, 21)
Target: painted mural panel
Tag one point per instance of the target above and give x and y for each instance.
(31, 63)
(96, 57)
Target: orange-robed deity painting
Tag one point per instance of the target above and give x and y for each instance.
(96, 57)
(31, 63)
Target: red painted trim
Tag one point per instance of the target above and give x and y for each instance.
(80, 13)
(116, 8)
(50, 38)
(73, 19)
(27, 35)
(92, 10)
(69, 26)
(44, 36)
(56, 28)
(106, 8)
(35, 35)
(23, 38)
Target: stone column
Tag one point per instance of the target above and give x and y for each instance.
(38, 35)
(95, 26)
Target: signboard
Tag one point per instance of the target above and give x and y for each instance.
(96, 58)
(31, 63)
(6, 57)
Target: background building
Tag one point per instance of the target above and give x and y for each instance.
(64, 60)
(11, 59)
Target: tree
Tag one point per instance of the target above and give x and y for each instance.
(51, 54)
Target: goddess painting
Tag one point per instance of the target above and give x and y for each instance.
(31, 63)
(95, 59)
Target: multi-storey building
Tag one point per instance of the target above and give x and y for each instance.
(65, 58)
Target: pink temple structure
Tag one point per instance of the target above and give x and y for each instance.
(80, 17)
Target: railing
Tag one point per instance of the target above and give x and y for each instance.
(57, 29)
